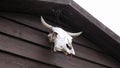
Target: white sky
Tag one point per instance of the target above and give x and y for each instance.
(106, 11)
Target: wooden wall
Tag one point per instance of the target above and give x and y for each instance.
(24, 44)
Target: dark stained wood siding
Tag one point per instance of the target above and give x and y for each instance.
(8, 60)
(23, 37)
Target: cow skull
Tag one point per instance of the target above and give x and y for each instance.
(62, 39)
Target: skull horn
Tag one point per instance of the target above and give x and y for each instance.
(74, 34)
(45, 24)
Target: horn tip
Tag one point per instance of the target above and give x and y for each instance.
(45, 24)
(79, 33)
(41, 17)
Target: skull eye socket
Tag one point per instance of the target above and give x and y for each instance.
(52, 36)
(68, 47)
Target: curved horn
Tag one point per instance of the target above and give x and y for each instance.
(45, 24)
(74, 34)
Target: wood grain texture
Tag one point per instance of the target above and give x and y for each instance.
(41, 54)
(35, 36)
(28, 28)
(34, 22)
(8, 60)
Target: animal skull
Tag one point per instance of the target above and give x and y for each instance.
(62, 39)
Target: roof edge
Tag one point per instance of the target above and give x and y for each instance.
(94, 21)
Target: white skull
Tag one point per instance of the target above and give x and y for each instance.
(62, 39)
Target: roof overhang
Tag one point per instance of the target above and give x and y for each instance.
(71, 14)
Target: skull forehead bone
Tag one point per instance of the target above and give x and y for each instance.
(62, 39)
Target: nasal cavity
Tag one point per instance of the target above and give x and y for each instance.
(68, 47)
